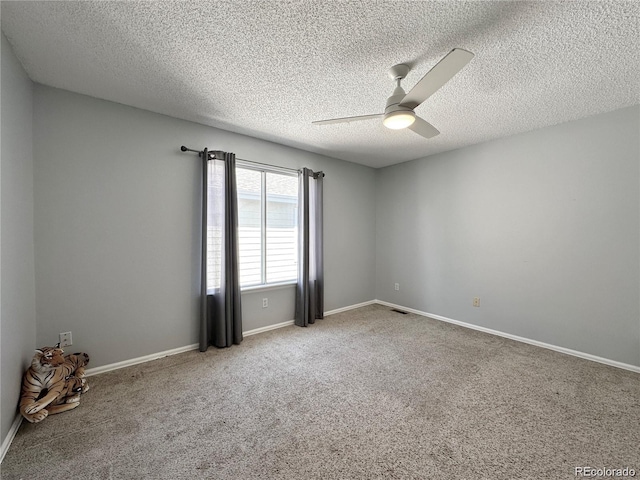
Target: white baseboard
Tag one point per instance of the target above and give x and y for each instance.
(350, 307)
(137, 360)
(567, 351)
(166, 353)
(10, 436)
(174, 351)
(255, 331)
(292, 322)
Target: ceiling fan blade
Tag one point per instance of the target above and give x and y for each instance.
(423, 128)
(435, 78)
(348, 119)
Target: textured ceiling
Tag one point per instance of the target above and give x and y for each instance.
(269, 68)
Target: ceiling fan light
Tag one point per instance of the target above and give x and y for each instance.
(399, 119)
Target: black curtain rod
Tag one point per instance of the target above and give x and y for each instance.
(200, 152)
(185, 149)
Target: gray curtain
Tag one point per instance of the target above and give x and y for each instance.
(310, 288)
(221, 310)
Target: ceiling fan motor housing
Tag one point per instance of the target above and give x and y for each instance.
(397, 116)
(393, 102)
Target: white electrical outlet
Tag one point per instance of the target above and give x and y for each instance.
(397, 286)
(476, 301)
(265, 302)
(65, 339)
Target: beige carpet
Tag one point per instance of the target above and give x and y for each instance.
(360, 395)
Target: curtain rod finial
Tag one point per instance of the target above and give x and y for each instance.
(183, 148)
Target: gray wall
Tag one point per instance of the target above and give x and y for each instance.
(17, 280)
(117, 226)
(542, 226)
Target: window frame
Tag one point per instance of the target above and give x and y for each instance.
(264, 169)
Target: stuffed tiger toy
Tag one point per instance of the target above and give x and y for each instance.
(53, 381)
(73, 387)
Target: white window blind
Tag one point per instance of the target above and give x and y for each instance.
(267, 226)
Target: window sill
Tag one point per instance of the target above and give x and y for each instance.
(271, 286)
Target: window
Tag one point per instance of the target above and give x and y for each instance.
(267, 225)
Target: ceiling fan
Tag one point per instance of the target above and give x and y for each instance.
(399, 112)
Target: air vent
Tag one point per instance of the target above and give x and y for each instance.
(398, 311)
